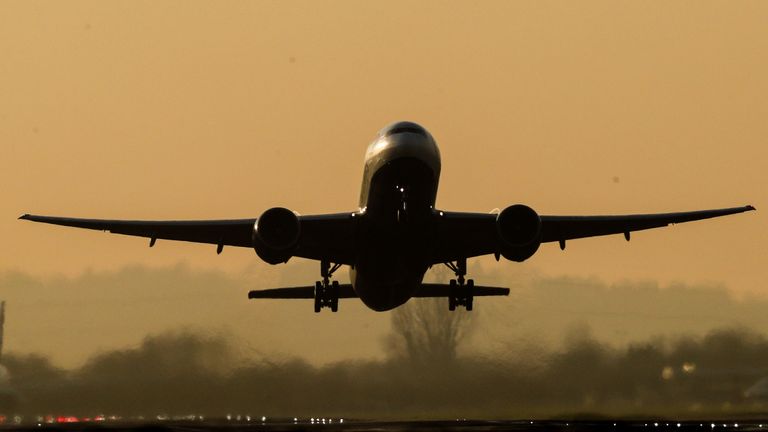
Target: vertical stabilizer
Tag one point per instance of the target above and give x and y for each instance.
(2, 325)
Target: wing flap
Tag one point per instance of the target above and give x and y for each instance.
(329, 237)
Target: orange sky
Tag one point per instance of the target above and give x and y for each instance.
(221, 110)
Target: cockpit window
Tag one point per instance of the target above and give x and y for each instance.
(406, 128)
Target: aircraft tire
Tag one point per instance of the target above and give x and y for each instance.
(318, 296)
(470, 299)
(452, 295)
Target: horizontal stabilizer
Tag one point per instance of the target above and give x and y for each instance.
(307, 292)
(346, 291)
(443, 290)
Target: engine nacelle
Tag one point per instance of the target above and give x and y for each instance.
(519, 229)
(276, 235)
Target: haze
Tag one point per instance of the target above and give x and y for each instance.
(184, 110)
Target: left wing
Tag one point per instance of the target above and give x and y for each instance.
(466, 235)
(323, 237)
(561, 228)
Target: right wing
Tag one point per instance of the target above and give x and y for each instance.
(229, 232)
(327, 237)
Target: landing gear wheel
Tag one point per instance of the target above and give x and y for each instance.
(461, 291)
(327, 291)
(469, 299)
(318, 296)
(333, 297)
(452, 296)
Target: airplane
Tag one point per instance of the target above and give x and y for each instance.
(395, 235)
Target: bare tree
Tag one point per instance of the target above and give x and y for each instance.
(425, 331)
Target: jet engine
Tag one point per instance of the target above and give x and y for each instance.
(276, 235)
(519, 229)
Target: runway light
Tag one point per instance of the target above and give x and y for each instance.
(342, 421)
(295, 420)
(263, 419)
(655, 425)
(678, 425)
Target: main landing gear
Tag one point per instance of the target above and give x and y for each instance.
(460, 293)
(327, 292)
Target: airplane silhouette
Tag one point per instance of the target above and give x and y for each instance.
(395, 235)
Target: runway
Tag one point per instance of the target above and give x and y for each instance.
(404, 426)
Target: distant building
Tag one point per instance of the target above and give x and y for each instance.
(8, 397)
(2, 327)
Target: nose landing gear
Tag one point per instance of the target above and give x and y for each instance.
(327, 291)
(461, 290)
(402, 211)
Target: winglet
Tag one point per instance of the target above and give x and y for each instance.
(750, 208)
(25, 216)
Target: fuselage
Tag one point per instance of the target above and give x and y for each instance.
(397, 200)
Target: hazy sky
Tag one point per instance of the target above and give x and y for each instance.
(184, 110)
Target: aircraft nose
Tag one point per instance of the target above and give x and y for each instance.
(403, 140)
(402, 127)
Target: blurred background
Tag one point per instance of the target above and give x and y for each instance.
(199, 110)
